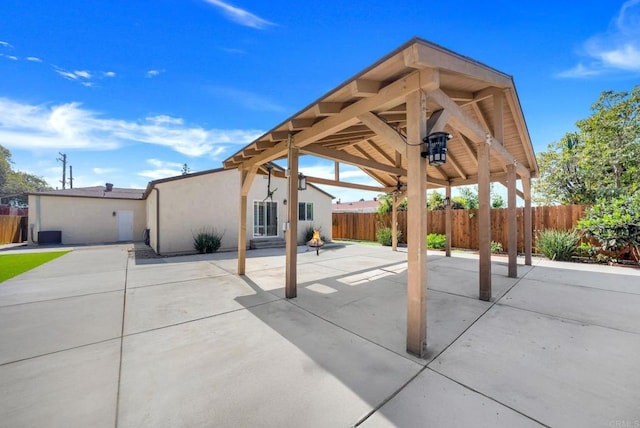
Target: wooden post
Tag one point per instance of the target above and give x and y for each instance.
(447, 222)
(291, 282)
(246, 179)
(526, 187)
(484, 220)
(394, 222)
(512, 241)
(416, 226)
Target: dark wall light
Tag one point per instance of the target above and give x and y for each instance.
(434, 147)
(302, 182)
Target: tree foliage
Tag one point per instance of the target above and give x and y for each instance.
(599, 160)
(615, 223)
(385, 203)
(14, 185)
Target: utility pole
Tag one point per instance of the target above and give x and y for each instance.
(71, 176)
(63, 159)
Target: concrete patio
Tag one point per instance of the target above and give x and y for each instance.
(100, 337)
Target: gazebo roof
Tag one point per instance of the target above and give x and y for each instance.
(363, 121)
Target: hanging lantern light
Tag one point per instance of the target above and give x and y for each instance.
(434, 146)
(302, 182)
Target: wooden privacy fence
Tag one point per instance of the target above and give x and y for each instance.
(464, 224)
(10, 230)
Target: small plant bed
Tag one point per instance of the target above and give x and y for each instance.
(15, 264)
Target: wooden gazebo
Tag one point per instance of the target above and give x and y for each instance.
(377, 121)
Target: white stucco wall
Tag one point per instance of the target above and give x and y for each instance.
(192, 203)
(83, 220)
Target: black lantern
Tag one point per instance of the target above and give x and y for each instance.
(302, 182)
(434, 146)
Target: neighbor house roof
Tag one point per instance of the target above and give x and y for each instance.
(95, 192)
(153, 183)
(358, 206)
(363, 122)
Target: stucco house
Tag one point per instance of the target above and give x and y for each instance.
(87, 215)
(174, 209)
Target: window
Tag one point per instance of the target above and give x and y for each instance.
(305, 211)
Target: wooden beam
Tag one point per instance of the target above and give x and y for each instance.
(327, 109)
(278, 135)
(299, 124)
(468, 146)
(528, 228)
(364, 88)
(458, 95)
(394, 222)
(382, 153)
(343, 157)
(466, 125)
(291, 273)
(437, 182)
(390, 96)
(416, 227)
(437, 121)
(326, 181)
(264, 145)
(454, 163)
(514, 106)
(484, 222)
(420, 55)
(376, 176)
(519, 193)
(382, 129)
(447, 223)
(481, 118)
(512, 241)
(246, 179)
(336, 170)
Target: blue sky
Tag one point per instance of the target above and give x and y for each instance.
(131, 90)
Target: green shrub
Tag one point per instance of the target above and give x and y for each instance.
(207, 241)
(384, 236)
(436, 241)
(585, 249)
(496, 247)
(558, 244)
(615, 223)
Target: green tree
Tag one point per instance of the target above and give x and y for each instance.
(497, 201)
(385, 203)
(599, 160)
(435, 201)
(14, 185)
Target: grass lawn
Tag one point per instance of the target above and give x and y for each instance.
(14, 264)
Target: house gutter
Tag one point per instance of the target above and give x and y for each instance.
(157, 220)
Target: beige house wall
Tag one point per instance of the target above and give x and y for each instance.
(151, 206)
(83, 220)
(191, 204)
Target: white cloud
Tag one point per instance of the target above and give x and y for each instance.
(109, 74)
(163, 164)
(154, 73)
(82, 73)
(6, 44)
(33, 59)
(247, 99)
(101, 171)
(617, 49)
(240, 16)
(69, 125)
(11, 57)
(156, 174)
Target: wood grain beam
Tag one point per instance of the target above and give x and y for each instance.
(298, 124)
(466, 125)
(327, 108)
(382, 153)
(383, 130)
(364, 88)
(343, 157)
(454, 163)
(390, 96)
(337, 183)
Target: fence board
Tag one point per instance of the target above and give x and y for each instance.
(10, 229)
(464, 224)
